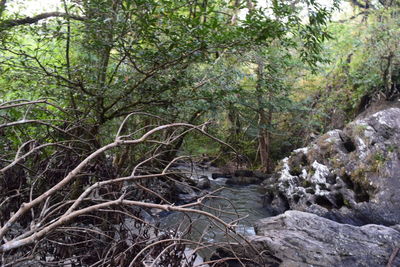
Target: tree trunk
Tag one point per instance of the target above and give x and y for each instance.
(265, 119)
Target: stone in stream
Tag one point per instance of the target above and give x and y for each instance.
(350, 175)
(220, 175)
(298, 238)
(203, 182)
(187, 193)
(261, 175)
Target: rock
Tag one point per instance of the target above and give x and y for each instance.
(184, 188)
(396, 227)
(187, 198)
(203, 183)
(297, 238)
(203, 166)
(240, 180)
(248, 257)
(261, 175)
(244, 173)
(220, 175)
(350, 175)
(186, 193)
(189, 254)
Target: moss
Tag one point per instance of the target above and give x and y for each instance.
(341, 171)
(375, 162)
(335, 163)
(379, 161)
(362, 186)
(359, 130)
(392, 148)
(306, 183)
(295, 170)
(379, 157)
(358, 173)
(346, 202)
(359, 176)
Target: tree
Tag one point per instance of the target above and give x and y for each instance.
(129, 75)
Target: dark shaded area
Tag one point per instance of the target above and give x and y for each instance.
(347, 180)
(339, 200)
(331, 179)
(324, 202)
(246, 255)
(349, 145)
(361, 195)
(244, 173)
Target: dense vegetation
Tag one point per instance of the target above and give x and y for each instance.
(108, 91)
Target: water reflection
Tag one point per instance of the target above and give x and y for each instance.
(230, 204)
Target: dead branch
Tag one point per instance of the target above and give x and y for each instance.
(99, 211)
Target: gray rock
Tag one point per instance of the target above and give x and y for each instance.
(350, 175)
(187, 198)
(303, 239)
(186, 193)
(184, 188)
(261, 175)
(396, 227)
(204, 183)
(220, 175)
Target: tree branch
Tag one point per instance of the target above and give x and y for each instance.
(30, 20)
(365, 5)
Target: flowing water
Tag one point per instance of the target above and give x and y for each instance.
(244, 201)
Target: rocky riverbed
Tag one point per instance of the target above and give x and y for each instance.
(332, 203)
(337, 201)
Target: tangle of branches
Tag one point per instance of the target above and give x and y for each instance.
(66, 201)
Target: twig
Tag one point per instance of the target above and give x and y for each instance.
(392, 257)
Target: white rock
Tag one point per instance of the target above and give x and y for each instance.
(321, 171)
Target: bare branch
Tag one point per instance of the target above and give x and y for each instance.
(118, 142)
(21, 104)
(32, 151)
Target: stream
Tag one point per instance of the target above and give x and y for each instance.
(246, 201)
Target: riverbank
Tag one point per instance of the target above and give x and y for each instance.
(336, 201)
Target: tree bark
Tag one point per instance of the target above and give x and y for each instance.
(265, 118)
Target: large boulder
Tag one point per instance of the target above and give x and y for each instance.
(300, 239)
(350, 175)
(303, 239)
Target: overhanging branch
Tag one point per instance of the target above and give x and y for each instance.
(30, 20)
